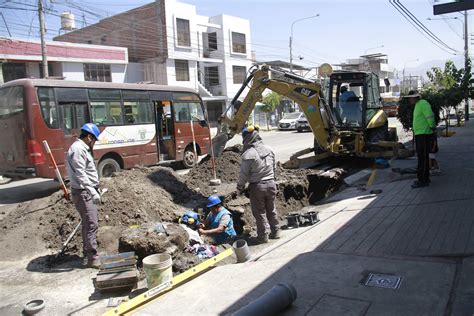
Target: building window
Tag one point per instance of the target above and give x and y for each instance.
(212, 41)
(184, 35)
(239, 73)
(97, 72)
(50, 70)
(238, 43)
(12, 71)
(212, 76)
(182, 70)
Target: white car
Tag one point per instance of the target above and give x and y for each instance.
(288, 122)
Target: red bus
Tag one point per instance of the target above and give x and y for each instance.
(140, 124)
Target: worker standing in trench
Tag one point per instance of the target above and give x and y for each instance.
(258, 168)
(85, 193)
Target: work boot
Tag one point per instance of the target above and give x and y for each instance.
(276, 234)
(93, 263)
(257, 240)
(418, 184)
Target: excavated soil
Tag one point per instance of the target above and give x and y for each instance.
(141, 197)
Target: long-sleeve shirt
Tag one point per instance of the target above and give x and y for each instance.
(258, 164)
(81, 167)
(423, 118)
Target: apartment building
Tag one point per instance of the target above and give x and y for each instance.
(377, 63)
(179, 47)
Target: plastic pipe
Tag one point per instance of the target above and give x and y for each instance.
(241, 250)
(271, 303)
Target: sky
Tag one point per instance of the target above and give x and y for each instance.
(344, 28)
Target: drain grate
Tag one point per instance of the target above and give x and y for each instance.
(385, 281)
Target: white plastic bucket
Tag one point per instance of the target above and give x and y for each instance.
(158, 269)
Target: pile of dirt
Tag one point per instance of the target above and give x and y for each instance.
(134, 197)
(227, 170)
(145, 240)
(296, 188)
(141, 197)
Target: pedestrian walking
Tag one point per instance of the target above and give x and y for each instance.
(258, 168)
(423, 127)
(85, 189)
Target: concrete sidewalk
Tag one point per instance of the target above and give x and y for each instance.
(422, 235)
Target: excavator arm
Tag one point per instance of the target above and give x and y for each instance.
(306, 93)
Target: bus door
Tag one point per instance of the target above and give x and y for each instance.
(164, 128)
(189, 124)
(73, 113)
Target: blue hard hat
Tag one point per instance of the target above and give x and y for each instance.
(213, 200)
(92, 129)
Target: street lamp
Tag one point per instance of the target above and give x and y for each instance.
(466, 55)
(365, 52)
(291, 38)
(404, 65)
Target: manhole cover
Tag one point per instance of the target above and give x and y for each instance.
(386, 281)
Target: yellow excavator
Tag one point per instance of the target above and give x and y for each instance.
(349, 121)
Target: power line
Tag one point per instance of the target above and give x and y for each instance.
(414, 24)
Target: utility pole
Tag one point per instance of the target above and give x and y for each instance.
(43, 42)
(466, 58)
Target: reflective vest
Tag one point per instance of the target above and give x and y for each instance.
(214, 222)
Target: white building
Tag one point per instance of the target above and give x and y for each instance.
(78, 62)
(179, 47)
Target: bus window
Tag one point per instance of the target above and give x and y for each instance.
(106, 106)
(48, 107)
(67, 115)
(138, 112)
(106, 112)
(181, 112)
(11, 100)
(196, 111)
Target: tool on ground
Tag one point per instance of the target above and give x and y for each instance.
(152, 294)
(273, 302)
(117, 272)
(296, 220)
(56, 170)
(69, 239)
(214, 180)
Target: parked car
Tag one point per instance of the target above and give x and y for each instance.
(390, 106)
(302, 125)
(288, 122)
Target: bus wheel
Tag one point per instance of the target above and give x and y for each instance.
(107, 167)
(189, 158)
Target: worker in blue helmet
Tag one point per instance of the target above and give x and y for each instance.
(218, 223)
(84, 182)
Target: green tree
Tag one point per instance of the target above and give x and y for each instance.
(270, 102)
(452, 85)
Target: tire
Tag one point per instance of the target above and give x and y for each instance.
(378, 134)
(107, 167)
(299, 130)
(189, 159)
